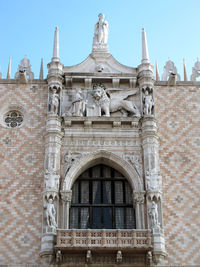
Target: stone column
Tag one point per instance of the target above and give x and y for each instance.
(53, 140)
(66, 197)
(51, 185)
(138, 198)
(150, 146)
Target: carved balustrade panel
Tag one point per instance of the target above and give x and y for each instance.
(115, 239)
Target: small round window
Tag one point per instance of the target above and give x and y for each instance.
(13, 119)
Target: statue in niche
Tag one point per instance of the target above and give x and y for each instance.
(101, 30)
(153, 213)
(51, 179)
(153, 180)
(54, 101)
(148, 102)
(78, 105)
(51, 214)
(116, 101)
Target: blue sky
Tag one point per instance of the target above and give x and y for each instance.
(27, 28)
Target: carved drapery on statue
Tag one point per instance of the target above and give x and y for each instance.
(100, 38)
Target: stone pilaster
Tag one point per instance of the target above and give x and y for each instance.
(66, 197)
(138, 199)
(153, 185)
(53, 138)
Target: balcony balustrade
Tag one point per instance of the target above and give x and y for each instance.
(126, 239)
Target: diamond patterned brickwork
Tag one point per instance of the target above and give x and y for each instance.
(178, 115)
(21, 175)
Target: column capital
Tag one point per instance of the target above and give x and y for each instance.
(138, 197)
(66, 196)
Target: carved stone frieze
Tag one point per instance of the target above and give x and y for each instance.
(100, 101)
(99, 142)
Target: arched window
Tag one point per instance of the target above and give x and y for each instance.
(102, 199)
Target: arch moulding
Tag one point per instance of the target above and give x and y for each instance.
(107, 158)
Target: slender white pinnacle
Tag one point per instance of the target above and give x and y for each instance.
(56, 46)
(9, 69)
(41, 70)
(145, 53)
(184, 70)
(157, 72)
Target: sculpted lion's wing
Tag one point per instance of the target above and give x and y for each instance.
(120, 93)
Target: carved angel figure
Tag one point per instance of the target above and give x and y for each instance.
(116, 102)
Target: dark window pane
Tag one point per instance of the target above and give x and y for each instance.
(96, 171)
(119, 218)
(96, 218)
(118, 192)
(106, 172)
(129, 199)
(75, 193)
(96, 196)
(107, 218)
(107, 192)
(117, 174)
(84, 218)
(85, 174)
(130, 220)
(84, 191)
(74, 218)
(102, 198)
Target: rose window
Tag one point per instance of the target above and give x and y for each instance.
(13, 119)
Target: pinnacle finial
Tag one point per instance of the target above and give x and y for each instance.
(145, 53)
(157, 72)
(41, 70)
(56, 46)
(9, 69)
(184, 71)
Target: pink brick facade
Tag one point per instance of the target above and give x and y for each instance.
(21, 173)
(22, 169)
